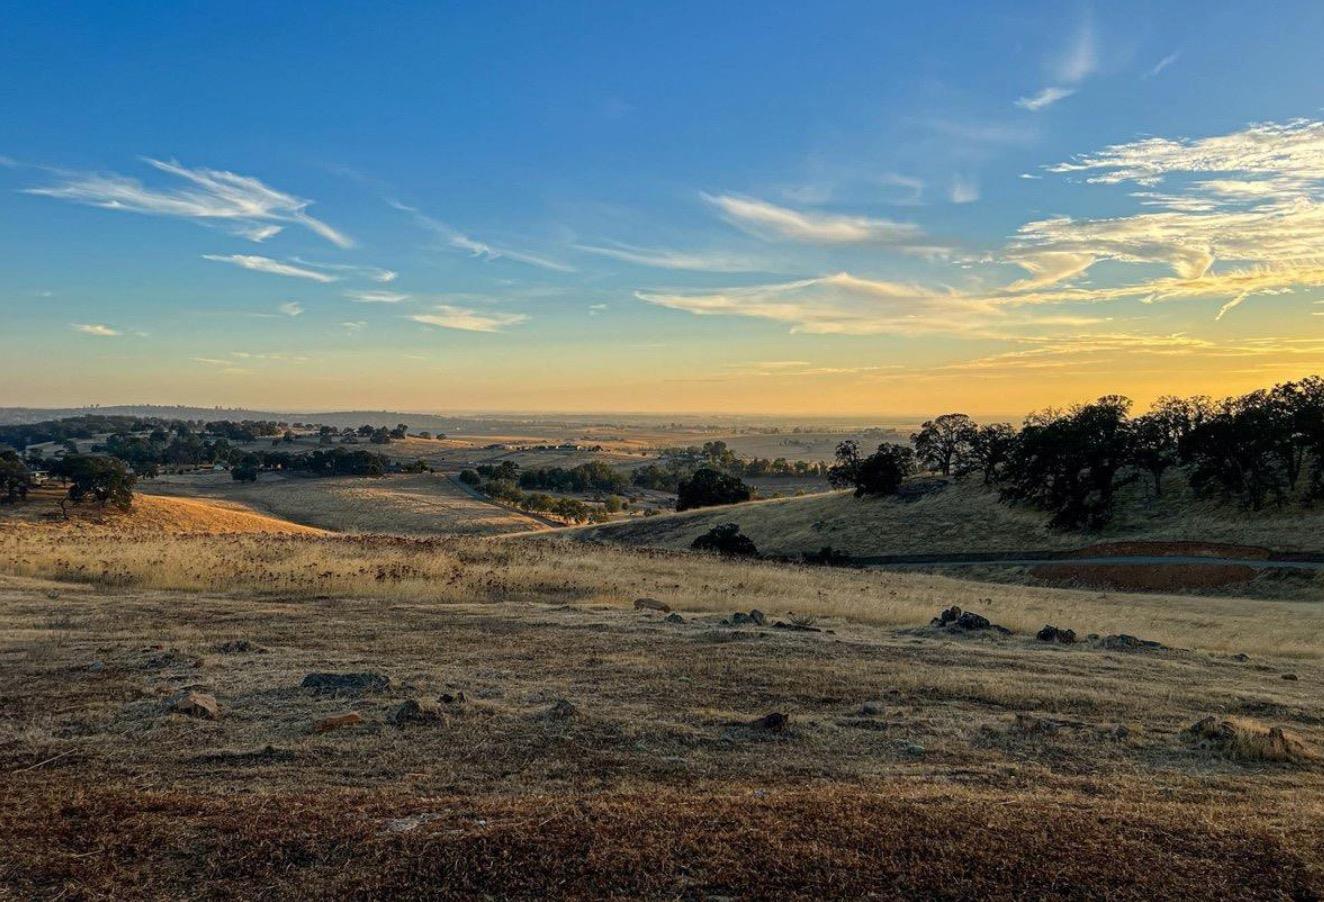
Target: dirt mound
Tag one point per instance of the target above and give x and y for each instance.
(1145, 577)
(1172, 549)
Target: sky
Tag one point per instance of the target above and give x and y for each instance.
(836, 208)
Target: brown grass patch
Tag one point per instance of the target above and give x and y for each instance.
(734, 840)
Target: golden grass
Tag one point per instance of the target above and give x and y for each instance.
(149, 514)
(463, 570)
(413, 504)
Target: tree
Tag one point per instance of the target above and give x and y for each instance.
(990, 446)
(844, 473)
(709, 488)
(882, 472)
(15, 479)
(1153, 447)
(942, 442)
(246, 469)
(105, 479)
(1068, 463)
(470, 477)
(726, 540)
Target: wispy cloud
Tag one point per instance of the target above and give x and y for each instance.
(1077, 61)
(353, 326)
(457, 240)
(964, 190)
(246, 206)
(1163, 64)
(768, 220)
(291, 308)
(376, 297)
(468, 320)
(267, 265)
(662, 258)
(1044, 99)
(99, 329)
(373, 273)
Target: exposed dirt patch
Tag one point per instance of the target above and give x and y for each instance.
(1173, 549)
(1145, 577)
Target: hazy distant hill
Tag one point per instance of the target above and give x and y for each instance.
(19, 415)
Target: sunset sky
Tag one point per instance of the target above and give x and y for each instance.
(831, 208)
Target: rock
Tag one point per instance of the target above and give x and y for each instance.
(1240, 656)
(674, 618)
(651, 604)
(191, 703)
(915, 749)
(96, 666)
(739, 618)
(871, 709)
(53, 593)
(1123, 642)
(1290, 676)
(346, 683)
(239, 647)
(757, 617)
(336, 721)
(1054, 634)
(562, 710)
(412, 711)
(447, 698)
(966, 621)
(775, 722)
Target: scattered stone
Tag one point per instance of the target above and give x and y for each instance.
(53, 593)
(757, 617)
(1247, 740)
(1123, 642)
(1054, 634)
(562, 710)
(447, 698)
(871, 709)
(775, 722)
(96, 666)
(239, 647)
(651, 604)
(1290, 676)
(413, 711)
(336, 721)
(915, 749)
(739, 618)
(1028, 725)
(346, 683)
(191, 703)
(796, 627)
(413, 822)
(169, 658)
(956, 620)
(1240, 656)
(674, 618)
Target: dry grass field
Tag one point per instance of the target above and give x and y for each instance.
(566, 744)
(414, 504)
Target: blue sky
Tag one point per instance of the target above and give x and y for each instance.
(855, 208)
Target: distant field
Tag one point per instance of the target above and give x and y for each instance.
(966, 516)
(149, 514)
(414, 504)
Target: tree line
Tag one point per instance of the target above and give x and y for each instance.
(1264, 447)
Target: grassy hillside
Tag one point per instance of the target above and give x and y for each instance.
(418, 504)
(966, 516)
(149, 515)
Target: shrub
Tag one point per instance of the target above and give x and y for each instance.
(726, 539)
